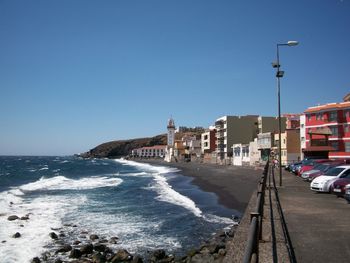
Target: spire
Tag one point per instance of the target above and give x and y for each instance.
(171, 123)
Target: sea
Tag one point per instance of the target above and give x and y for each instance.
(147, 207)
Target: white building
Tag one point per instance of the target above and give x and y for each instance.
(302, 135)
(152, 151)
(241, 154)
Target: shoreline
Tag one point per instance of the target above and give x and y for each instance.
(231, 184)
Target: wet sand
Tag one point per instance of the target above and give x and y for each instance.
(233, 185)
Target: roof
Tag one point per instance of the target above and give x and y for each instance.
(329, 106)
(153, 147)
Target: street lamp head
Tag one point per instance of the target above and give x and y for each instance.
(292, 43)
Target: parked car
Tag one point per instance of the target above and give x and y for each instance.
(319, 170)
(323, 183)
(310, 164)
(295, 167)
(347, 193)
(338, 187)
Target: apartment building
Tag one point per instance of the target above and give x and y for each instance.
(208, 140)
(152, 151)
(327, 130)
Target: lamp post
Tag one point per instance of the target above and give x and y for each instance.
(279, 74)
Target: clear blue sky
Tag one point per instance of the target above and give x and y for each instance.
(74, 74)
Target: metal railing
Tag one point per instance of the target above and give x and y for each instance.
(251, 253)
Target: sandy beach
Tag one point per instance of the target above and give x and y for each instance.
(232, 184)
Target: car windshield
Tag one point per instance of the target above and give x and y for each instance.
(321, 167)
(334, 171)
(307, 162)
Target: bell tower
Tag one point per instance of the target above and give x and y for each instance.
(171, 132)
(169, 151)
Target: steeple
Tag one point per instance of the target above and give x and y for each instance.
(171, 123)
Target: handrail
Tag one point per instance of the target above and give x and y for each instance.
(251, 253)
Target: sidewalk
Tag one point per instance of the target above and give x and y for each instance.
(318, 224)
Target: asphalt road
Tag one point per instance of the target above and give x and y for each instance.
(319, 224)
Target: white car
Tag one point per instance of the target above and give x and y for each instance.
(323, 183)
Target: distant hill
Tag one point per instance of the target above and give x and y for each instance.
(120, 148)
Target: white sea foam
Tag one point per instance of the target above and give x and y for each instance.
(148, 168)
(44, 168)
(45, 212)
(63, 183)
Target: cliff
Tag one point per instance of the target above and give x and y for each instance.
(120, 148)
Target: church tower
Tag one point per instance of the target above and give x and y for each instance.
(171, 132)
(169, 151)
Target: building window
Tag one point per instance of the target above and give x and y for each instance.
(347, 113)
(334, 130)
(332, 116)
(303, 139)
(335, 145)
(237, 151)
(309, 117)
(319, 116)
(346, 128)
(347, 146)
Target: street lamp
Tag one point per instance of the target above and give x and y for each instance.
(279, 74)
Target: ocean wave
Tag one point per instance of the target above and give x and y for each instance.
(63, 183)
(167, 194)
(219, 219)
(149, 168)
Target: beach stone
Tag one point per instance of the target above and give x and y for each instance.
(75, 253)
(100, 247)
(21, 225)
(4, 241)
(202, 258)
(84, 232)
(113, 240)
(76, 242)
(64, 249)
(98, 258)
(58, 260)
(158, 254)
(17, 235)
(87, 249)
(103, 241)
(222, 252)
(24, 217)
(137, 259)
(36, 260)
(13, 217)
(61, 235)
(121, 255)
(53, 235)
(93, 237)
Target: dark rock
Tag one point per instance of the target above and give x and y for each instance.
(84, 232)
(137, 259)
(192, 252)
(113, 240)
(82, 236)
(75, 253)
(74, 226)
(17, 235)
(53, 235)
(24, 217)
(21, 225)
(121, 255)
(58, 260)
(98, 258)
(36, 260)
(158, 254)
(94, 237)
(100, 247)
(67, 225)
(87, 249)
(61, 235)
(103, 241)
(4, 241)
(76, 242)
(13, 217)
(63, 249)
